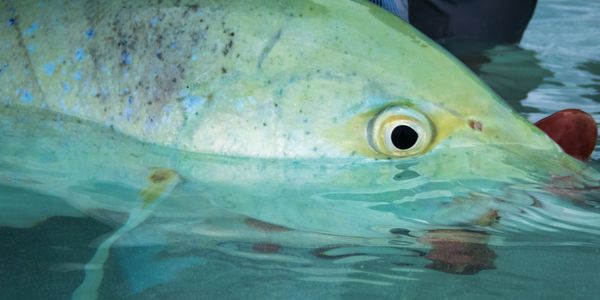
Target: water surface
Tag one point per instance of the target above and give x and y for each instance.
(226, 229)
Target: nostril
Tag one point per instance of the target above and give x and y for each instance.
(475, 125)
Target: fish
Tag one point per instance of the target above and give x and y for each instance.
(326, 118)
(207, 77)
(337, 83)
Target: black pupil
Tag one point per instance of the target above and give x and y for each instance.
(404, 137)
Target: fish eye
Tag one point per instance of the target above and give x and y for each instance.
(404, 137)
(399, 132)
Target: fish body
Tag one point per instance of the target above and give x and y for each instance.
(294, 79)
(286, 103)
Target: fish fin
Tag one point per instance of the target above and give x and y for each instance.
(161, 180)
(161, 183)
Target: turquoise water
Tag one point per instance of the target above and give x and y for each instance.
(209, 232)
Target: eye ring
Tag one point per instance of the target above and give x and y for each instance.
(399, 132)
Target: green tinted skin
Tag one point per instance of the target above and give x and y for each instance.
(294, 79)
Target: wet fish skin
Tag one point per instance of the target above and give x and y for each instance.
(293, 79)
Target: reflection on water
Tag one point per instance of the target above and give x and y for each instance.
(509, 70)
(593, 70)
(564, 34)
(45, 261)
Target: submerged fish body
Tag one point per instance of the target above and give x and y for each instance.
(284, 112)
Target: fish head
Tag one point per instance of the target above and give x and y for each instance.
(371, 86)
(420, 137)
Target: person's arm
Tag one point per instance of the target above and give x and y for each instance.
(397, 7)
(474, 20)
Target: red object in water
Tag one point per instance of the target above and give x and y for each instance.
(573, 130)
(461, 251)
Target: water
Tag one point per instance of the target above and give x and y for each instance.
(208, 230)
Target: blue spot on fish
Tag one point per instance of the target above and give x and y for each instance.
(66, 87)
(130, 100)
(128, 112)
(89, 33)
(79, 54)
(26, 96)
(62, 105)
(239, 105)
(31, 30)
(192, 103)
(30, 49)
(154, 21)
(11, 22)
(49, 68)
(126, 58)
(77, 76)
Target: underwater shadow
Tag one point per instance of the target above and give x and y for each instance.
(593, 68)
(508, 69)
